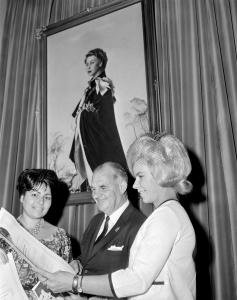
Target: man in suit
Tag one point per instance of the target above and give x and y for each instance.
(106, 250)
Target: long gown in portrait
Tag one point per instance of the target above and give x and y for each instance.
(96, 137)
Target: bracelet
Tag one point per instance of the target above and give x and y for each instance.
(79, 267)
(75, 284)
(79, 289)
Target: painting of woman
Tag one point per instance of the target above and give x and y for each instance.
(96, 139)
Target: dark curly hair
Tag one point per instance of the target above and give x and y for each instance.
(34, 178)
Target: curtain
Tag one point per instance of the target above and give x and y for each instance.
(196, 45)
(18, 94)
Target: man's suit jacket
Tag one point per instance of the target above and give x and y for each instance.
(112, 252)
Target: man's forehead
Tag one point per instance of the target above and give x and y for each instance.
(103, 176)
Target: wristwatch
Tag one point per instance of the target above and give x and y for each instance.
(79, 288)
(77, 280)
(75, 284)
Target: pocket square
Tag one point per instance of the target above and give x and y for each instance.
(115, 248)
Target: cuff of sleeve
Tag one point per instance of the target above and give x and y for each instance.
(112, 286)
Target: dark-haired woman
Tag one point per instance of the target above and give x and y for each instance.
(96, 138)
(36, 188)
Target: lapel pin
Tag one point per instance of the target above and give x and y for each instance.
(117, 229)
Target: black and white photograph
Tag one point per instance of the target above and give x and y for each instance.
(118, 149)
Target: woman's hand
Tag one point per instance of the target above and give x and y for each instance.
(3, 257)
(76, 265)
(57, 282)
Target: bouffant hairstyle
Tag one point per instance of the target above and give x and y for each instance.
(166, 158)
(34, 178)
(100, 54)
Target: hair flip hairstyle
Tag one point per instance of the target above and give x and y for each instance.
(166, 157)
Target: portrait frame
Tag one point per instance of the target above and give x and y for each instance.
(85, 19)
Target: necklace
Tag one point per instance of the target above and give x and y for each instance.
(34, 230)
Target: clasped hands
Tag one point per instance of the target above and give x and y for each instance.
(59, 281)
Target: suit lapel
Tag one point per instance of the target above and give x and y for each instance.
(92, 237)
(113, 232)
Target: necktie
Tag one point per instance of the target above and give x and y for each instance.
(103, 233)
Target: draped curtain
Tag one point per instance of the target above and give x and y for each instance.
(196, 47)
(19, 102)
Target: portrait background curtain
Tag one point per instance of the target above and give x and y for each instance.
(196, 95)
(196, 46)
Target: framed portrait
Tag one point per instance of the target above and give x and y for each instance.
(125, 32)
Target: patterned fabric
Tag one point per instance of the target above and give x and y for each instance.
(59, 243)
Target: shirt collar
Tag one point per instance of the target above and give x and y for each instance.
(113, 218)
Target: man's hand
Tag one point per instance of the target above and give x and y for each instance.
(57, 282)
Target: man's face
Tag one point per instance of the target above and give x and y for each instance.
(107, 190)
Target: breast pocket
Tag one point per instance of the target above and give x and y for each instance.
(116, 259)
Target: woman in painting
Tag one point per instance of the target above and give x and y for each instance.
(36, 189)
(96, 138)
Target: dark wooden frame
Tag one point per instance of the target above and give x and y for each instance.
(151, 63)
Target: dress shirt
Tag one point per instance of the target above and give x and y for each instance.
(113, 218)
